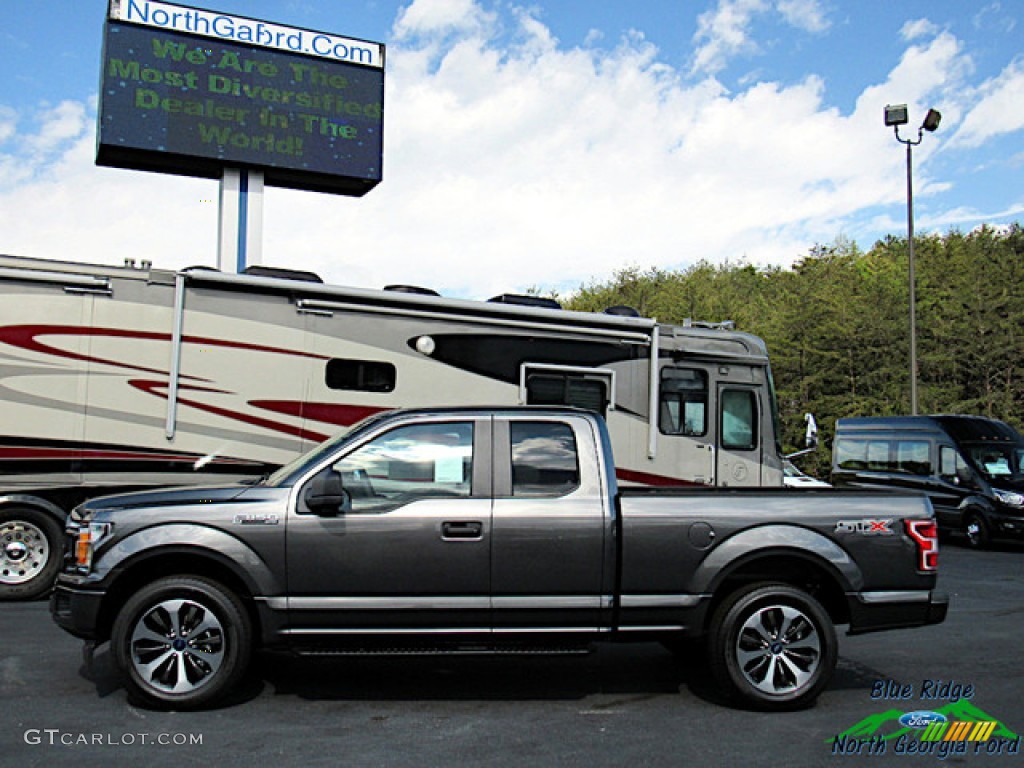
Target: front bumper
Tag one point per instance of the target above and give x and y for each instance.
(875, 611)
(77, 610)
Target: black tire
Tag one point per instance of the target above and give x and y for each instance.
(976, 530)
(163, 668)
(31, 551)
(772, 647)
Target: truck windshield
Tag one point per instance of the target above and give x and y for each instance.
(998, 462)
(286, 474)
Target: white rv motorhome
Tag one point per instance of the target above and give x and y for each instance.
(120, 378)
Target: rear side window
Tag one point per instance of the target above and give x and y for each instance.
(544, 459)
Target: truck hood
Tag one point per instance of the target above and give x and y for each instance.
(166, 497)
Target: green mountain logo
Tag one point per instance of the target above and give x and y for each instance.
(887, 724)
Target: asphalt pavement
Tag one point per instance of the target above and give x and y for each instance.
(628, 705)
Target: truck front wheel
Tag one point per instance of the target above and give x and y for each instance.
(772, 647)
(181, 642)
(31, 546)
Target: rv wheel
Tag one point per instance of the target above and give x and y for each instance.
(30, 553)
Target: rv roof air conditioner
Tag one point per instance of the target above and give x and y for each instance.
(412, 289)
(526, 301)
(283, 274)
(621, 310)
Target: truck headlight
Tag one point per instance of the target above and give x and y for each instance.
(1009, 498)
(90, 536)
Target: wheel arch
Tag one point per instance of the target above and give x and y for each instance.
(9, 500)
(177, 560)
(795, 568)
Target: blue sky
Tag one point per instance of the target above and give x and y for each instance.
(549, 143)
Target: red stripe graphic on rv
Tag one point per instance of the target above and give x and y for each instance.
(27, 337)
(158, 388)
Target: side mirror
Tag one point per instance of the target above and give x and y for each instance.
(811, 435)
(326, 496)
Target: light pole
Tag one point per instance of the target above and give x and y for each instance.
(896, 115)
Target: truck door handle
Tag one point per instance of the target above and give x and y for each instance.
(462, 530)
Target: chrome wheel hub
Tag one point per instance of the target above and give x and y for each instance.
(778, 649)
(177, 646)
(25, 552)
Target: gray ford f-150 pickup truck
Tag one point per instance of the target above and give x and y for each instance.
(488, 530)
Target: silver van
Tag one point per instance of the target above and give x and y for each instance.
(971, 467)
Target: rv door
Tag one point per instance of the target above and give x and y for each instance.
(739, 436)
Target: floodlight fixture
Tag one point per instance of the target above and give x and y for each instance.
(931, 120)
(896, 115)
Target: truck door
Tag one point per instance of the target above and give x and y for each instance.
(410, 548)
(548, 538)
(739, 439)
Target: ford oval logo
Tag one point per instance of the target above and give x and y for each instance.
(921, 719)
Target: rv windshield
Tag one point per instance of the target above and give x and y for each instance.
(998, 462)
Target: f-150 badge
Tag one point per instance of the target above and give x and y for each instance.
(250, 519)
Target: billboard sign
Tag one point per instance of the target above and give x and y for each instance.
(191, 92)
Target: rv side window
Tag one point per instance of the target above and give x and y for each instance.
(544, 459)
(739, 419)
(567, 389)
(684, 402)
(363, 375)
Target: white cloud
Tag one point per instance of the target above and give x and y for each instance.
(999, 108)
(808, 15)
(725, 32)
(918, 28)
(8, 123)
(516, 164)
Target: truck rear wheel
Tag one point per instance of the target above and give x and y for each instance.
(772, 647)
(181, 642)
(31, 545)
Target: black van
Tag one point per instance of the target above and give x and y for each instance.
(969, 466)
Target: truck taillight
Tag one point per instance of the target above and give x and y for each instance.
(925, 534)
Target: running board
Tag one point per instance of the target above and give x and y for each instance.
(443, 649)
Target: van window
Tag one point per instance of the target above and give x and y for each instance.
(912, 457)
(684, 402)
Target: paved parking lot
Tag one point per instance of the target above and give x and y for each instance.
(621, 706)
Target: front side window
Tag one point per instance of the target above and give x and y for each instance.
(544, 459)
(410, 463)
(739, 419)
(683, 400)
